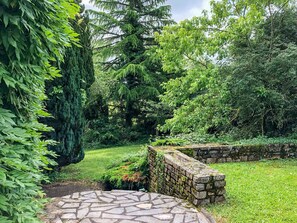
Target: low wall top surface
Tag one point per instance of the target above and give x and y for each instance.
(190, 165)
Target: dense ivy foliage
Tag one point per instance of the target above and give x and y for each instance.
(33, 34)
(124, 44)
(67, 94)
(237, 69)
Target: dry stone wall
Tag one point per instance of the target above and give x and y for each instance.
(176, 174)
(241, 153)
(181, 172)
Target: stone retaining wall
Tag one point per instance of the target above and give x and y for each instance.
(227, 153)
(176, 174)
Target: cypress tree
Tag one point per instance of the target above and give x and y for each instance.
(66, 96)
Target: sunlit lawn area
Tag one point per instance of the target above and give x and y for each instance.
(96, 162)
(264, 191)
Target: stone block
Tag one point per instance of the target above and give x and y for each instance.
(200, 187)
(244, 158)
(220, 183)
(201, 195)
(221, 191)
(229, 159)
(198, 202)
(203, 179)
(219, 199)
(209, 186)
(210, 160)
(212, 199)
(210, 194)
(219, 177)
(221, 160)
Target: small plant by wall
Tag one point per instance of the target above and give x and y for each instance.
(129, 173)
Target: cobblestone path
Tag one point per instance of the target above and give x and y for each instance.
(120, 206)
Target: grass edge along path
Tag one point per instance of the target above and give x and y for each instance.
(263, 191)
(96, 162)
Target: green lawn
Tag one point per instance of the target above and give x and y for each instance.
(96, 162)
(257, 192)
(264, 191)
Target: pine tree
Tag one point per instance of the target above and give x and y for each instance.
(124, 30)
(66, 97)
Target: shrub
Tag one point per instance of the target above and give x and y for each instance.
(33, 34)
(131, 172)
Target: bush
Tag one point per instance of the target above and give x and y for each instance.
(33, 36)
(99, 134)
(129, 173)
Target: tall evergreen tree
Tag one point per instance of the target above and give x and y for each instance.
(66, 97)
(124, 30)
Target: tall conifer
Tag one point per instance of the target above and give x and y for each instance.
(66, 96)
(125, 32)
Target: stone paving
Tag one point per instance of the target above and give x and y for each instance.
(120, 206)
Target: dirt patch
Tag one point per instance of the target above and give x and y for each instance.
(59, 189)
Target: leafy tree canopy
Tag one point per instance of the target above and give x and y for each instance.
(227, 63)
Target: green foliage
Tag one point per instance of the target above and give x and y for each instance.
(197, 94)
(130, 172)
(258, 192)
(169, 142)
(66, 97)
(233, 64)
(33, 34)
(125, 52)
(262, 105)
(99, 133)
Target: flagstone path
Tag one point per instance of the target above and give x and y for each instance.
(120, 206)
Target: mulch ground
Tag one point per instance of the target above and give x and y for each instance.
(59, 189)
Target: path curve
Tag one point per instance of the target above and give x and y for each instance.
(118, 206)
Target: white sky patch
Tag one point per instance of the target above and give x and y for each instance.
(181, 9)
(195, 9)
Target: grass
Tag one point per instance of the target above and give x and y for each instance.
(257, 192)
(264, 191)
(96, 162)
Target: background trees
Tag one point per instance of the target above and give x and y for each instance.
(124, 41)
(263, 77)
(67, 95)
(235, 65)
(33, 33)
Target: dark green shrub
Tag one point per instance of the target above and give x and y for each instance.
(101, 133)
(33, 33)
